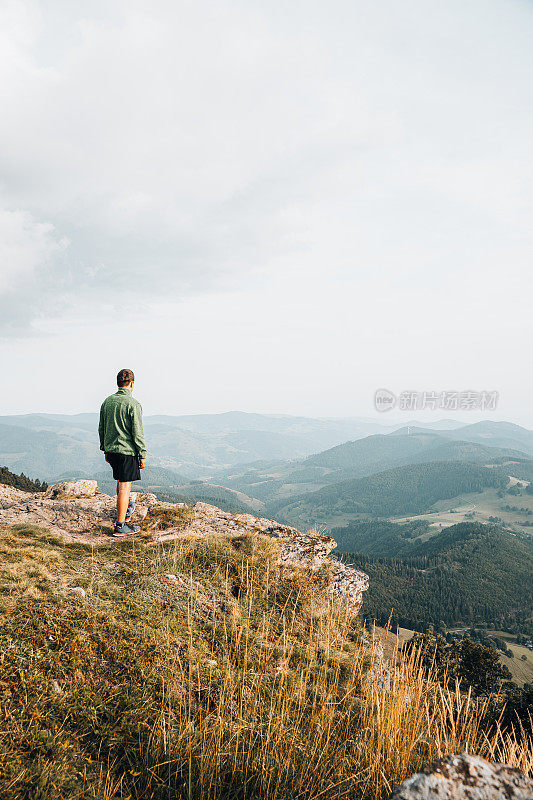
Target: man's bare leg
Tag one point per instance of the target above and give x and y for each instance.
(123, 498)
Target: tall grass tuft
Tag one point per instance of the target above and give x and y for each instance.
(280, 715)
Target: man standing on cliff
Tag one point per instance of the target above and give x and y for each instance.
(122, 440)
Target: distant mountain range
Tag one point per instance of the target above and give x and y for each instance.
(266, 462)
(491, 434)
(47, 445)
(276, 481)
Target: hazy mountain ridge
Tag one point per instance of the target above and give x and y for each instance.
(493, 434)
(197, 445)
(57, 446)
(277, 480)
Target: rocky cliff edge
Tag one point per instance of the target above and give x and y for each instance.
(78, 511)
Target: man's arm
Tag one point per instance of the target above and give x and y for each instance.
(101, 427)
(137, 431)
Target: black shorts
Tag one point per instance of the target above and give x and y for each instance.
(125, 468)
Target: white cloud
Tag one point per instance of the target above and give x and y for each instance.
(26, 246)
(173, 139)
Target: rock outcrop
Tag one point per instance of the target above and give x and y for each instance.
(465, 777)
(76, 510)
(70, 489)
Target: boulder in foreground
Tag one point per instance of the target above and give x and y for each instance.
(465, 777)
(72, 489)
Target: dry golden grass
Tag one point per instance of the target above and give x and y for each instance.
(160, 519)
(299, 719)
(271, 693)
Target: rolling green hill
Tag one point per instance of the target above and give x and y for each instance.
(495, 434)
(199, 491)
(404, 490)
(276, 480)
(378, 453)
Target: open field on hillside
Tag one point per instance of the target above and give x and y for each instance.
(521, 671)
(479, 507)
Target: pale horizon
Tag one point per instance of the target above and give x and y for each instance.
(425, 418)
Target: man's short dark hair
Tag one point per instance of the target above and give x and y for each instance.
(125, 376)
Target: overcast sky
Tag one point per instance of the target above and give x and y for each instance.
(266, 206)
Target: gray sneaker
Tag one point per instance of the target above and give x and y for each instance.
(123, 529)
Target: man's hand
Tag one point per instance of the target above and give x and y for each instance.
(142, 463)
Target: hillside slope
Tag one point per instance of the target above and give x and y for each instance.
(378, 453)
(277, 480)
(79, 512)
(206, 658)
(405, 490)
(468, 573)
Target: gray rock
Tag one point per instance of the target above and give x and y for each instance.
(11, 497)
(81, 488)
(79, 590)
(307, 550)
(465, 777)
(347, 584)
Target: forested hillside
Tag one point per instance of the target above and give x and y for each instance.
(21, 481)
(469, 573)
(495, 434)
(405, 490)
(378, 453)
(380, 538)
(275, 481)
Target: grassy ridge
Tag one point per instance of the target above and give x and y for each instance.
(199, 670)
